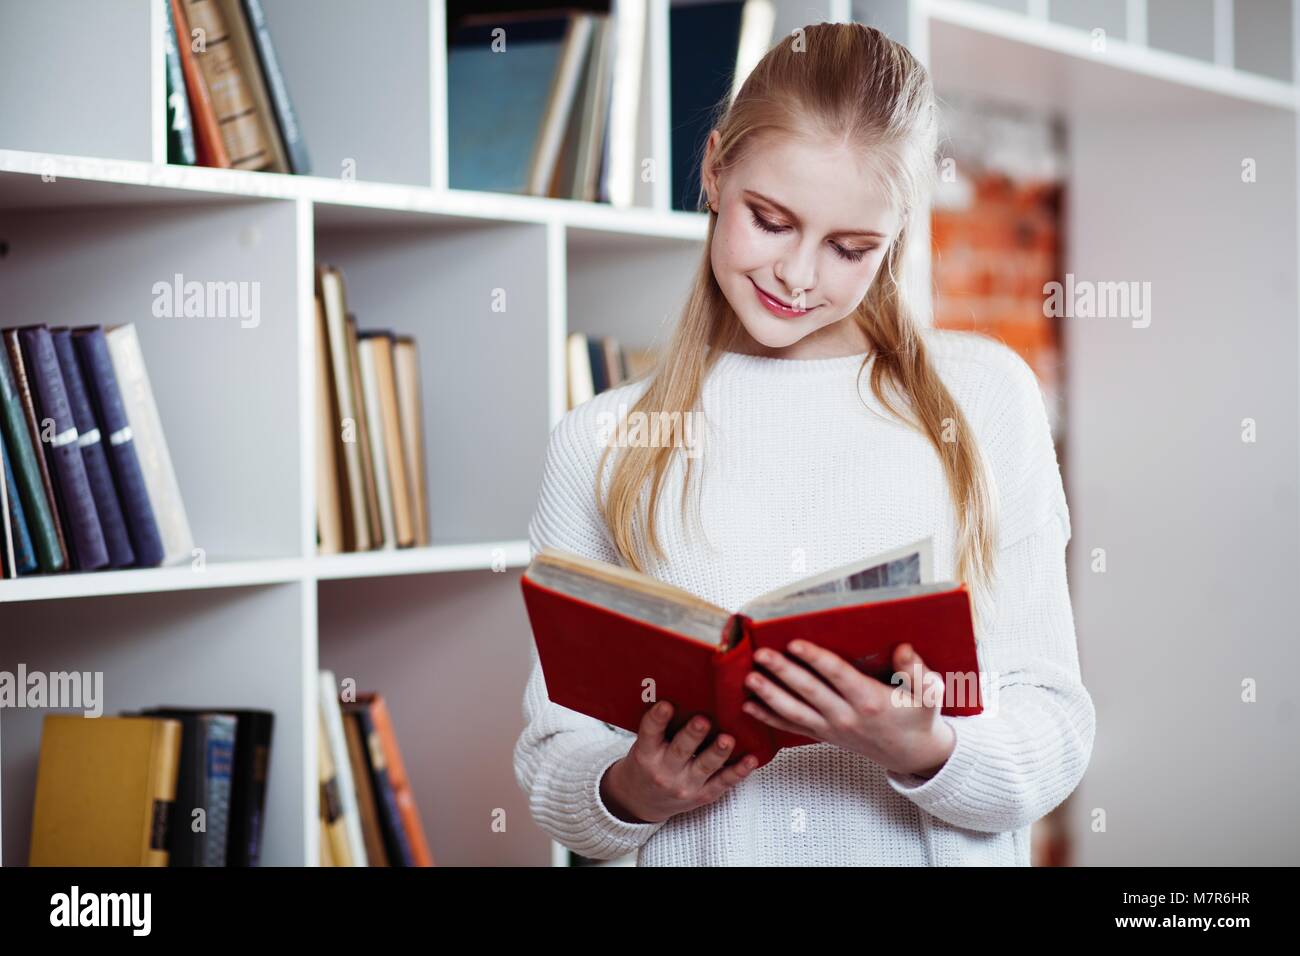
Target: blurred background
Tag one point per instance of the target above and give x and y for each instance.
(527, 225)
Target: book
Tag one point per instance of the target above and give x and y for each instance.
(374, 711)
(397, 847)
(98, 473)
(344, 428)
(24, 557)
(603, 630)
(406, 371)
(620, 165)
(209, 145)
(150, 443)
(385, 419)
(25, 438)
(180, 129)
(367, 808)
(368, 366)
(8, 561)
(286, 118)
(105, 791)
(244, 47)
(329, 504)
(581, 383)
(334, 835)
(369, 483)
(58, 434)
(332, 717)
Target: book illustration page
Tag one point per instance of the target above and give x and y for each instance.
(910, 564)
(820, 600)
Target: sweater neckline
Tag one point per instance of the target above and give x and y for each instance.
(768, 365)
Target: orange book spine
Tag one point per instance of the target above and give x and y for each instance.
(401, 783)
(207, 133)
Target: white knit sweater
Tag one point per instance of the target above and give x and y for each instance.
(801, 477)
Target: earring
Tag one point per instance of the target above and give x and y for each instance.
(711, 207)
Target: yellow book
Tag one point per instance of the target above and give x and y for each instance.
(105, 788)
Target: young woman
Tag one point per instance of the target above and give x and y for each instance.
(835, 426)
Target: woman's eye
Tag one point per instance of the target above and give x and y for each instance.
(764, 224)
(852, 255)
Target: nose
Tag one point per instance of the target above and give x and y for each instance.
(797, 270)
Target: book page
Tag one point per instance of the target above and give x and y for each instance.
(910, 564)
(821, 600)
(631, 594)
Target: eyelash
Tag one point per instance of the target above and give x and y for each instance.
(846, 254)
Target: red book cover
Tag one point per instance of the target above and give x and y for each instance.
(612, 666)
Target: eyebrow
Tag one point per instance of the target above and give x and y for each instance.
(865, 233)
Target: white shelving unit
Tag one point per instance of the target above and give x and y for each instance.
(91, 217)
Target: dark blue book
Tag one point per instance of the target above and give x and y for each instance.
(110, 415)
(496, 103)
(59, 436)
(89, 438)
(24, 553)
(703, 41)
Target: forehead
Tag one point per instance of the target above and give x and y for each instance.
(824, 182)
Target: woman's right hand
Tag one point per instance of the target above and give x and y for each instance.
(659, 778)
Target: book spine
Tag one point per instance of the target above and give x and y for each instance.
(730, 668)
(106, 398)
(180, 128)
(150, 443)
(161, 791)
(219, 759)
(210, 148)
(102, 489)
(8, 566)
(261, 764)
(285, 117)
(24, 554)
(390, 816)
(19, 422)
(88, 545)
(367, 360)
(402, 792)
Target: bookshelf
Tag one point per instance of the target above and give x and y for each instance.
(91, 217)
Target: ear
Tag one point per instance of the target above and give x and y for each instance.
(707, 177)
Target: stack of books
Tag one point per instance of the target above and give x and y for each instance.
(368, 811)
(370, 474)
(168, 786)
(87, 482)
(546, 103)
(227, 101)
(596, 363)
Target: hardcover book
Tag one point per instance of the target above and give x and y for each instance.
(612, 642)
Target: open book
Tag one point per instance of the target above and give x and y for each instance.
(612, 641)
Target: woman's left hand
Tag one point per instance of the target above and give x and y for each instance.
(899, 727)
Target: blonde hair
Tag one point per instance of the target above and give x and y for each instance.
(848, 83)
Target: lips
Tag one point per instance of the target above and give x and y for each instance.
(777, 306)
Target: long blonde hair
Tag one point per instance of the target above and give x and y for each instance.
(850, 83)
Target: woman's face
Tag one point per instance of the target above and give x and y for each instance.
(802, 231)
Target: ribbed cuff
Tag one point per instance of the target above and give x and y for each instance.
(940, 792)
(614, 837)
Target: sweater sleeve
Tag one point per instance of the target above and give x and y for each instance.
(561, 756)
(1025, 753)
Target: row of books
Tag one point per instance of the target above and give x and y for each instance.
(595, 363)
(368, 815)
(227, 101)
(167, 786)
(547, 103)
(87, 481)
(372, 491)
